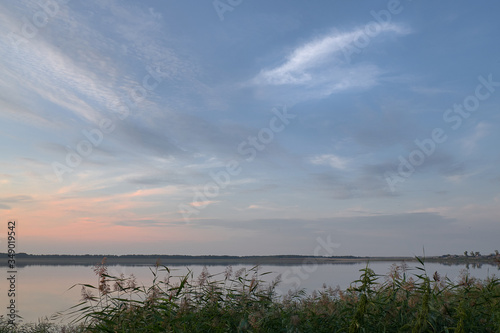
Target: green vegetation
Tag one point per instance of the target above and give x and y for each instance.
(241, 302)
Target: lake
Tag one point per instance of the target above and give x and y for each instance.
(44, 290)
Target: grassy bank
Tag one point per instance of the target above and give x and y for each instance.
(403, 300)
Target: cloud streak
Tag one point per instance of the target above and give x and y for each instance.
(332, 160)
(305, 65)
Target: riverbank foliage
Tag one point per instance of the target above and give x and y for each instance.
(402, 301)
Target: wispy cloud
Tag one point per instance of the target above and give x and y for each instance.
(14, 200)
(264, 206)
(17, 198)
(470, 142)
(332, 160)
(431, 90)
(202, 203)
(307, 62)
(85, 78)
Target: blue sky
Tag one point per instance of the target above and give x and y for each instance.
(250, 127)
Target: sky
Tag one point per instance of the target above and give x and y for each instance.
(250, 127)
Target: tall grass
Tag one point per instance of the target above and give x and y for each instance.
(241, 302)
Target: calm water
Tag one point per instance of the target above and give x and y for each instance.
(44, 290)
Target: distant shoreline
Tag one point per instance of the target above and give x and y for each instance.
(23, 259)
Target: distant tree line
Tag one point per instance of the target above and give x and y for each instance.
(156, 256)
